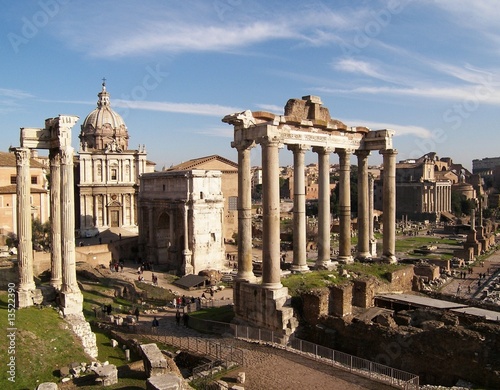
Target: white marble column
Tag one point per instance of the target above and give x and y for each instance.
(71, 297)
(245, 268)
(389, 205)
(186, 252)
(55, 220)
(363, 206)
(299, 209)
(25, 247)
(345, 206)
(371, 217)
(271, 273)
(324, 215)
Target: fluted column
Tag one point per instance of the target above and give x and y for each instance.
(71, 297)
(389, 205)
(363, 206)
(186, 252)
(324, 215)
(55, 218)
(69, 283)
(299, 209)
(25, 246)
(271, 274)
(245, 268)
(345, 206)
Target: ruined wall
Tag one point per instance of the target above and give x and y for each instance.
(315, 304)
(439, 346)
(340, 300)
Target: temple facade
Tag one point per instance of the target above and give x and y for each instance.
(305, 125)
(107, 171)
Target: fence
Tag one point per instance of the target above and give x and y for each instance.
(375, 371)
(226, 355)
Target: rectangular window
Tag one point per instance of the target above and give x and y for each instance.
(233, 203)
(34, 180)
(13, 179)
(114, 174)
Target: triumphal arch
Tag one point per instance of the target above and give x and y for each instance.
(56, 137)
(305, 125)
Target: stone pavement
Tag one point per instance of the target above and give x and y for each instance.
(473, 286)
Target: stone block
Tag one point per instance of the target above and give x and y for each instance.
(47, 386)
(107, 375)
(168, 381)
(114, 343)
(241, 377)
(154, 362)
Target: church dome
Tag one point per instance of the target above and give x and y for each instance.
(103, 128)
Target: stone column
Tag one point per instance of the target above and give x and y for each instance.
(345, 206)
(245, 268)
(25, 246)
(324, 216)
(71, 297)
(299, 209)
(373, 242)
(55, 220)
(186, 252)
(389, 205)
(271, 274)
(363, 206)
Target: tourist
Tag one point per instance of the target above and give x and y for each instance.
(155, 325)
(109, 309)
(185, 319)
(136, 313)
(178, 317)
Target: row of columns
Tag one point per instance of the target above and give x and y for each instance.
(63, 264)
(271, 204)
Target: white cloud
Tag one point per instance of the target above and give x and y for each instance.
(184, 108)
(400, 130)
(271, 108)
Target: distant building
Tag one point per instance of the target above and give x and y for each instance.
(107, 172)
(485, 165)
(40, 198)
(180, 220)
(229, 186)
(420, 192)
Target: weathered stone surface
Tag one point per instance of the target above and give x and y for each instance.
(47, 386)
(168, 381)
(241, 377)
(107, 375)
(64, 371)
(82, 329)
(114, 343)
(154, 361)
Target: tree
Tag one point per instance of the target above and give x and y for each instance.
(40, 234)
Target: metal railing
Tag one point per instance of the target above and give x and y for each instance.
(359, 366)
(227, 355)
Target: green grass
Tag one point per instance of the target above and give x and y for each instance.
(154, 295)
(43, 344)
(219, 314)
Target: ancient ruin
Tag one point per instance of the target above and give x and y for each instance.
(305, 125)
(56, 137)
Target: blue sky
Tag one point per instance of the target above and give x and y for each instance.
(429, 70)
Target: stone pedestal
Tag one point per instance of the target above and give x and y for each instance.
(168, 381)
(71, 302)
(265, 308)
(154, 362)
(107, 375)
(27, 298)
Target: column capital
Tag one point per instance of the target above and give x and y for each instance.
(361, 153)
(243, 145)
(22, 156)
(344, 151)
(388, 152)
(323, 149)
(270, 141)
(67, 154)
(298, 148)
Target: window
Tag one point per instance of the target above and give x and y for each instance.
(233, 203)
(13, 179)
(114, 174)
(34, 180)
